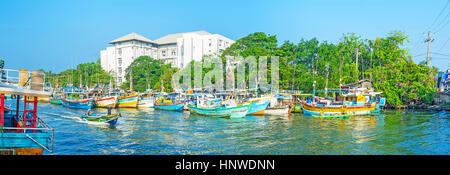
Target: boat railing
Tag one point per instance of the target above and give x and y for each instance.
(23, 79)
(41, 127)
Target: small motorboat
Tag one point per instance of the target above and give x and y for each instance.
(102, 118)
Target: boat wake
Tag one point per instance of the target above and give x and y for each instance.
(63, 115)
(75, 118)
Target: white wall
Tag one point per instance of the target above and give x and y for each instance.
(190, 46)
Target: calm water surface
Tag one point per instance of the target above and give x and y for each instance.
(141, 131)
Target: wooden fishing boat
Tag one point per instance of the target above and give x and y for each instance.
(102, 118)
(78, 103)
(129, 101)
(106, 101)
(258, 107)
(22, 131)
(221, 112)
(336, 109)
(333, 116)
(146, 103)
(169, 106)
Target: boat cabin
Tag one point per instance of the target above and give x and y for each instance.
(22, 131)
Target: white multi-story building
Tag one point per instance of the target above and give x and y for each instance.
(178, 49)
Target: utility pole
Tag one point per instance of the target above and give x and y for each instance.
(371, 64)
(326, 82)
(429, 40)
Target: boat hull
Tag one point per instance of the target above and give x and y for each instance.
(107, 101)
(147, 103)
(258, 107)
(78, 104)
(170, 107)
(109, 119)
(320, 110)
(130, 101)
(232, 112)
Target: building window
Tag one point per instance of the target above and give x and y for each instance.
(119, 51)
(120, 70)
(174, 52)
(119, 61)
(163, 53)
(220, 43)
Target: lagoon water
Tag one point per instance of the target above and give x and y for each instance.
(144, 132)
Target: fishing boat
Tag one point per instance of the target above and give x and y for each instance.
(104, 102)
(278, 105)
(130, 101)
(168, 103)
(169, 106)
(258, 106)
(221, 112)
(22, 131)
(356, 102)
(146, 103)
(102, 118)
(78, 103)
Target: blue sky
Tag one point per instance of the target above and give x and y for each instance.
(59, 34)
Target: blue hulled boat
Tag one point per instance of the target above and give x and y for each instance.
(78, 103)
(170, 106)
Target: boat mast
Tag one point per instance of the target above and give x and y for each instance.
(326, 81)
(131, 80)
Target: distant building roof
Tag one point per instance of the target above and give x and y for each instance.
(131, 36)
(172, 38)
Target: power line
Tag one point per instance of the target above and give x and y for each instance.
(444, 44)
(440, 13)
(440, 54)
(442, 22)
(442, 27)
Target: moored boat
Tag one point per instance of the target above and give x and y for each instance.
(258, 107)
(108, 101)
(221, 112)
(169, 106)
(130, 101)
(146, 103)
(78, 103)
